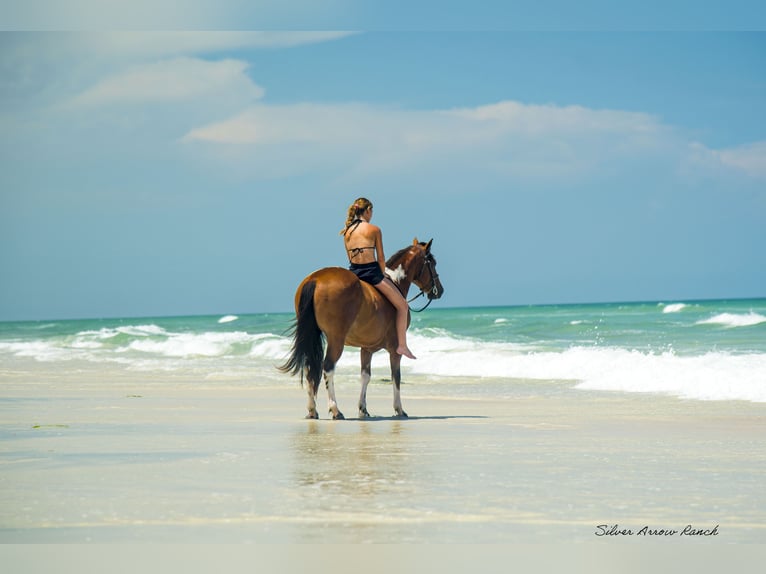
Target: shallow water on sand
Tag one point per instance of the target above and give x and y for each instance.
(112, 455)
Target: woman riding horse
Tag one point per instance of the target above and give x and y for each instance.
(342, 307)
(364, 246)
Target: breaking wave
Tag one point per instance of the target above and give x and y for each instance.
(121, 344)
(674, 308)
(707, 366)
(710, 376)
(734, 320)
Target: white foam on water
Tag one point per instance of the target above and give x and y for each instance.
(208, 344)
(136, 344)
(712, 376)
(734, 320)
(674, 308)
(130, 330)
(271, 347)
(39, 350)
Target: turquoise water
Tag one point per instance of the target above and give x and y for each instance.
(705, 350)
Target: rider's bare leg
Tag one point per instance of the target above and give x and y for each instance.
(393, 294)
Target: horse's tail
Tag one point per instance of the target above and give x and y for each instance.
(308, 340)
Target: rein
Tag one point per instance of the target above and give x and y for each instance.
(423, 308)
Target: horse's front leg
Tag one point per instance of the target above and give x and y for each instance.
(396, 377)
(366, 370)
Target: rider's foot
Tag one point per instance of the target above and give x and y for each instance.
(404, 351)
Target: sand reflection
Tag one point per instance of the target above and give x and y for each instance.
(352, 465)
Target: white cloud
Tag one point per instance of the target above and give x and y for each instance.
(109, 49)
(360, 124)
(39, 70)
(166, 44)
(180, 79)
(172, 14)
(750, 158)
(325, 124)
(507, 138)
(539, 119)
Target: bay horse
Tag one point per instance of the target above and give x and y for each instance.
(333, 304)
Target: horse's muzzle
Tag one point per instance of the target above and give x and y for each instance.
(436, 292)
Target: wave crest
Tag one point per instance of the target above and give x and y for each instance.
(674, 307)
(712, 376)
(734, 320)
(134, 343)
(705, 373)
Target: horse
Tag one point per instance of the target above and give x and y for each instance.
(332, 304)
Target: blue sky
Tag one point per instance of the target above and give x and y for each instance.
(171, 173)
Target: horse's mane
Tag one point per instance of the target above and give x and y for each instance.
(392, 261)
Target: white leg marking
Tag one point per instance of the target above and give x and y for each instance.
(329, 379)
(397, 399)
(363, 395)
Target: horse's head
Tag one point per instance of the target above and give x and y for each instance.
(416, 264)
(427, 279)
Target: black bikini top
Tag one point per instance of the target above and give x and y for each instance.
(356, 250)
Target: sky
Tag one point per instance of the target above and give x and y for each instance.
(159, 173)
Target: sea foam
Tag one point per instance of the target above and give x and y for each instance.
(712, 376)
(734, 320)
(674, 308)
(137, 343)
(707, 374)
(189, 345)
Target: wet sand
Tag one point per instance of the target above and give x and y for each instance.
(95, 455)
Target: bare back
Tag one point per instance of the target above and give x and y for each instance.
(364, 243)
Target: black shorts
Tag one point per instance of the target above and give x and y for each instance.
(369, 272)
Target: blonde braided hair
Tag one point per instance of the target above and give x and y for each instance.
(356, 209)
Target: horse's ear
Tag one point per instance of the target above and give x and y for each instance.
(415, 241)
(428, 246)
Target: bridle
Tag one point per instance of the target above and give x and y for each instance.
(431, 290)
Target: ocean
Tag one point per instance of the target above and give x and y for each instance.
(699, 350)
(526, 424)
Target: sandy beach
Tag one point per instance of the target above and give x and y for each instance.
(99, 454)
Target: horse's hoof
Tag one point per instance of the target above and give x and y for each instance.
(402, 414)
(363, 414)
(312, 415)
(338, 417)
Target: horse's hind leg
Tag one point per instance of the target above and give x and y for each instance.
(334, 350)
(396, 377)
(312, 387)
(366, 370)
